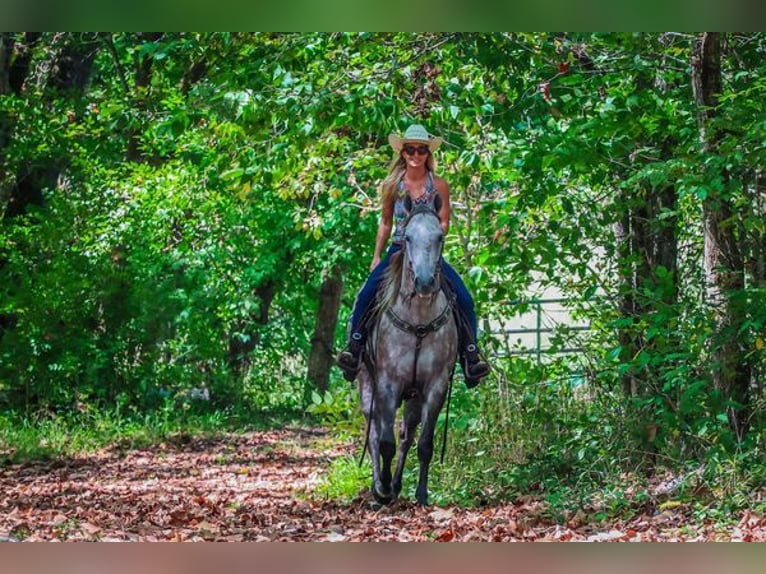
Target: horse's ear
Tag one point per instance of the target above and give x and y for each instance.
(438, 202)
(407, 202)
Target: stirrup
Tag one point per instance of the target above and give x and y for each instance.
(474, 369)
(350, 359)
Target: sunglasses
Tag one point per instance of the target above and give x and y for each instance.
(412, 150)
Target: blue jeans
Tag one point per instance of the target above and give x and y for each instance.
(367, 294)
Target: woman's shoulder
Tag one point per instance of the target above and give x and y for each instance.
(441, 184)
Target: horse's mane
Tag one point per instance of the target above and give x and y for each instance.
(390, 284)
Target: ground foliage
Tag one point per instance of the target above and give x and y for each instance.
(261, 486)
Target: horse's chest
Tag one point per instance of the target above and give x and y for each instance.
(404, 356)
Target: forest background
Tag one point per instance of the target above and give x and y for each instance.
(185, 220)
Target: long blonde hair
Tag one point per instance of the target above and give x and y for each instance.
(389, 189)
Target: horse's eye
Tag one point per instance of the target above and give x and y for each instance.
(407, 238)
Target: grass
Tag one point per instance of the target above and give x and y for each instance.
(46, 436)
(345, 480)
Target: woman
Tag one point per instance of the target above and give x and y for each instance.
(412, 173)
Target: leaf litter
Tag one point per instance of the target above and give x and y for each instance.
(252, 487)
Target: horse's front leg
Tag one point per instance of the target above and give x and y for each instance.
(385, 413)
(373, 439)
(374, 448)
(406, 437)
(430, 414)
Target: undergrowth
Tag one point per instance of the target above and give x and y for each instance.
(45, 436)
(583, 456)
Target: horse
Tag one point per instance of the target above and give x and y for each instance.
(410, 356)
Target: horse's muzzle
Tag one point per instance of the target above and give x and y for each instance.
(425, 287)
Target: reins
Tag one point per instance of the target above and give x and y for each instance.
(369, 362)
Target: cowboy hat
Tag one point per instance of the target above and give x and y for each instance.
(414, 134)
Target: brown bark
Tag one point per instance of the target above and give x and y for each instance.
(723, 259)
(321, 356)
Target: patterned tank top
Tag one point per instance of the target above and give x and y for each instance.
(400, 211)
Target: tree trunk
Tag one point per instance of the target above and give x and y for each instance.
(627, 272)
(647, 240)
(15, 59)
(757, 250)
(723, 259)
(321, 356)
(143, 77)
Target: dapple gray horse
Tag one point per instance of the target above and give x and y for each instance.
(411, 358)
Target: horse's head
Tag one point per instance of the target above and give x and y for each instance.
(423, 243)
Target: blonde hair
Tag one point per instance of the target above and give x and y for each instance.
(389, 189)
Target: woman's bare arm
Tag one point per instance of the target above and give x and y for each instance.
(384, 232)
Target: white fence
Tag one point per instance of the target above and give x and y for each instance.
(533, 329)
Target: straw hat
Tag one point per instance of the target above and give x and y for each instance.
(415, 134)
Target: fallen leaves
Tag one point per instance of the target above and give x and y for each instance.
(247, 488)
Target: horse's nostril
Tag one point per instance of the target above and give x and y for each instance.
(425, 284)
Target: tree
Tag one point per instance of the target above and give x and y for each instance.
(322, 353)
(723, 257)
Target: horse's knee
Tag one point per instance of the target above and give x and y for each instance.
(387, 433)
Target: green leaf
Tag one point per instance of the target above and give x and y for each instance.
(232, 174)
(615, 353)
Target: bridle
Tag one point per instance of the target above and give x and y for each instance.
(407, 297)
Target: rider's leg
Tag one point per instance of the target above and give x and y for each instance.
(474, 368)
(349, 359)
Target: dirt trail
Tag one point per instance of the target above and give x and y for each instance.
(252, 487)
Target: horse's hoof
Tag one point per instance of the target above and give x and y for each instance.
(383, 498)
